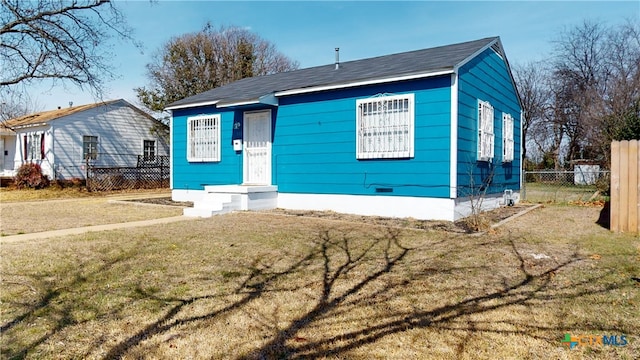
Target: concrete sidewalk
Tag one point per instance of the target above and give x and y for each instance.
(94, 228)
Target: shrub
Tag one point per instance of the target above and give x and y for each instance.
(30, 176)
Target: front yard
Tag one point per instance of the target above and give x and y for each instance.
(24, 217)
(268, 285)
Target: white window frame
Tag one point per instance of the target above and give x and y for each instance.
(507, 138)
(385, 134)
(486, 136)
(203, 138)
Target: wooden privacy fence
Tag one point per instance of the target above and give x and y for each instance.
(625, 180)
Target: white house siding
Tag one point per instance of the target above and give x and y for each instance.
(18, 149)
(120, 129)
(7, 152)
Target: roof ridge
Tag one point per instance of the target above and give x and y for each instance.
(54, 114)
(431, 60)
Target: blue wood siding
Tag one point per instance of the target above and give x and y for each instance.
(314, 147)
(486, 77)
(314, 138)
(194, 175)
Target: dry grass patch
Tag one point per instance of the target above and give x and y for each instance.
(252, 286)
(10, 194)
(30, 217)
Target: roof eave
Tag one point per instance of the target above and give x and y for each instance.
(28, 126)
(268, 99)
(185, 106)
(363, 83)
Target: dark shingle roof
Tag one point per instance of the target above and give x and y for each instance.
(435, 59)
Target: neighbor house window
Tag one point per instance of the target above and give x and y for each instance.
(507, 137)
(89, 147)
(149, 149)
(33, 146)
(485, 131)
(203, 138)
(385, 127)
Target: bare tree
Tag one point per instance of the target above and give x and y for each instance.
(14, 104)
(197, 62)
(622, 104)
(58, 40)
(531, 82)
(597, 83)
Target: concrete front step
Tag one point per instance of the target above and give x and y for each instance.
(222, 199)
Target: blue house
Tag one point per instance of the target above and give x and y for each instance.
(428, 134)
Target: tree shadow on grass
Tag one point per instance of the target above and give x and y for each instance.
(52, 307)
(356, 273)
(532, 286)
(256, 283)
(347, 273)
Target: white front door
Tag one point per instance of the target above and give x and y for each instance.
(257, 148)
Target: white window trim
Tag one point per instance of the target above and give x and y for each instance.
(507, 138)
(212, 154)
(408, 151)
(485, 131)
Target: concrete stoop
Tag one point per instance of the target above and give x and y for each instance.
(222, 199)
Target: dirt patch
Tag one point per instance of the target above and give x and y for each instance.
(460, 226)
(162, 201)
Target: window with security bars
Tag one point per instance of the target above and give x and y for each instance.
(203, 138)
(89, 147)
(385, 127)
(485, 131)
(507, 138)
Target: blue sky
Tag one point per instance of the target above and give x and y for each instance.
(308, 31)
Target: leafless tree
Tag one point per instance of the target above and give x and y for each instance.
(597, 83)
(14, 104)
(621, 106)
(531, 82)
(196, 62)
(58, 40)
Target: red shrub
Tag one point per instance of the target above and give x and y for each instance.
(30, 176)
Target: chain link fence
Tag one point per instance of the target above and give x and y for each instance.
(148, 172)
(565, 186)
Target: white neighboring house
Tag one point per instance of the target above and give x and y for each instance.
(7, 151)
(61, 141)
